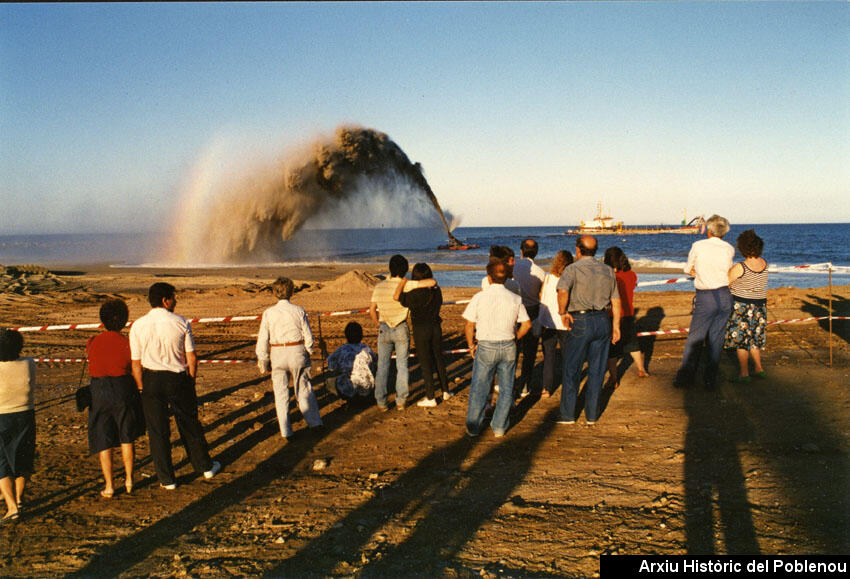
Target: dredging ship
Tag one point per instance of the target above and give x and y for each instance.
(606, 225)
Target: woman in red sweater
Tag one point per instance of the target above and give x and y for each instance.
(626, 284)
(115, 416)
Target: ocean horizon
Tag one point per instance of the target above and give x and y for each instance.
(787, 248)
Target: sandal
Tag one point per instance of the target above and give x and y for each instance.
(10, 518)
(740, 380)
(761, 375)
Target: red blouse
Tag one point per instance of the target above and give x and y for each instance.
(108, 354)
(626, 284)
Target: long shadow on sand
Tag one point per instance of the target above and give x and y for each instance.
(123, 554)
(819, 307)
(445, 502)
(714, 475)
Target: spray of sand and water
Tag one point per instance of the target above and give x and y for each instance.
(352, 179)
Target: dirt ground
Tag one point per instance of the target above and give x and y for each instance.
(759, 468)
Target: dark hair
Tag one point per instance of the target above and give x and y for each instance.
(497, 270)
(585, 250)
(160, 291)
(11, 344)
(421, 271)
(114, 315)
(562, 259)
(353, 333)
(614, 257)
(282, 288)
(750, 244)
(529, 248)
(502, 252)
(398, 266)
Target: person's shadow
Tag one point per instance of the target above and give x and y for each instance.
(650, 322)
(714, 479)
(819, 307)
(447, 500)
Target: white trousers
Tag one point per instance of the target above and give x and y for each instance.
(286, 362)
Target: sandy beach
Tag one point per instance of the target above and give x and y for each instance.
(747, 468)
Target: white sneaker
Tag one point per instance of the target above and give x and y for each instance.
(216, 466)
(427, 402)
(447, 395)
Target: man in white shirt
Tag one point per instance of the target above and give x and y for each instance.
(529, 276)
(491, 318)
(165, 366)
(284, 345)
(709, 262)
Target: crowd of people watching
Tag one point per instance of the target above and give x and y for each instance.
(582, 307)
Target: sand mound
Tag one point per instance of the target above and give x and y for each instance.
(352, 281)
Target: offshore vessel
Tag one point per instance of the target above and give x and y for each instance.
(605, 225)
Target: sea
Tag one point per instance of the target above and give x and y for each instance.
(799, 255)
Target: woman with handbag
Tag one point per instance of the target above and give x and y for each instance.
(115, 416)
(17, 422)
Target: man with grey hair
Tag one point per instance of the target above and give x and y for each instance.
(709, 262)
(284, 344)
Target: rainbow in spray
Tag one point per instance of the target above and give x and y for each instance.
(228, 220)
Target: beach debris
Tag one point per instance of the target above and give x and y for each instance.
(29, 279)
(253, 288)
(320, 464)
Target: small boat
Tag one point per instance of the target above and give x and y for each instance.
(456, 244)
(459, 246)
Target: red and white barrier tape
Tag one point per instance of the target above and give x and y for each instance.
(789, 321)
(208, 320)
(665, 281)
(216, 361)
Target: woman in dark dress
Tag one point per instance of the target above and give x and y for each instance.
(17, 421)
(115, 416)
(424, 304)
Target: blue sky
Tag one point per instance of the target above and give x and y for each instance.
(520, 113)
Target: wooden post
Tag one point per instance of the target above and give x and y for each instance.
(830, 315)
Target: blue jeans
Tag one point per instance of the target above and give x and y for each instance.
(389, 339)
(588, 339)
(712, 309)
(492, 358)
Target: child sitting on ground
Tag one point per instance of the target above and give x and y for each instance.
(354, 364)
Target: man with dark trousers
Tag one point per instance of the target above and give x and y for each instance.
(586, 289)
(709, 261)
(529, 276)
(164, 363)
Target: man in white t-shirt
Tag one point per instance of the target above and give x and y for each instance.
(165, 366)
(491, 318)
(709, 262)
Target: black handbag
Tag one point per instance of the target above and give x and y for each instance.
(83, 397)
(83, 394)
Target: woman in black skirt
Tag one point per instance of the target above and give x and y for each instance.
(17, 421)
(115, 416)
